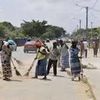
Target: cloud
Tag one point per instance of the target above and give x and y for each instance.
(56, 12)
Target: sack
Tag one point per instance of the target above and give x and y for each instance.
(38, 43)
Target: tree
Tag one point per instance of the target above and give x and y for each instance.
(34, 28)
(2, 31)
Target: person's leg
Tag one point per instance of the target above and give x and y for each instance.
(96, 52)
(81, 52)
(49, 66)
(6, 72)
(36, 76)
(55, 67)
(86, 53)
(45, 77)
(45, 73)
(36, 70)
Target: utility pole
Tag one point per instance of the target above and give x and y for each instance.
(77, 27)
(91, 29)
(86, 18)
(86, 21)
(87, 8)
(80, 23)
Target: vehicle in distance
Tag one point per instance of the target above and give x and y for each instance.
(32, 45)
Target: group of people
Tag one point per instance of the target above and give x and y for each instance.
(48, 56)
(85, 45)
(60, 53)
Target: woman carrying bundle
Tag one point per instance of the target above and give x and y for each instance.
(6, 53)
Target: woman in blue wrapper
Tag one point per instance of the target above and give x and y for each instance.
(74, 61)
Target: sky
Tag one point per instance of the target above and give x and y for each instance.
(62, 13)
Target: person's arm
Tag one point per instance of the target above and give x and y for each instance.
(43, 52)
(37, 54)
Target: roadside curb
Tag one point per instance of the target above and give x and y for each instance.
(89, 90)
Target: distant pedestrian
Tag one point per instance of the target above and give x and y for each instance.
(74, 60)
(64, 57)
(85, 48)
(6, 53)
(59, 46)
(95, 47)
(81, 48)
(53, 58)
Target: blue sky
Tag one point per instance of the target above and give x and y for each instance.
(63, 13)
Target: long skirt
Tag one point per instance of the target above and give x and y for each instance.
(7, 72)
(64, 61)
(75, 68)
(41, 67)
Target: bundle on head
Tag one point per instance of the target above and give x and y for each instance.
(39, 43)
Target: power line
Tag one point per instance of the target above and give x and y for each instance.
(97, 10)
(94, 4)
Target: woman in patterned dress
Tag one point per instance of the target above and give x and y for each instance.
(74, 60)
(64, 57)
(5, 61)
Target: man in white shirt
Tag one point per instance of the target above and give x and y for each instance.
(49, 44)
(85, 47)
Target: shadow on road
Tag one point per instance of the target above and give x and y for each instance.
(46, 79)
(16, 80)
(59, 76)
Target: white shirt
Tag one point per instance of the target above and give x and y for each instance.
(85, 44)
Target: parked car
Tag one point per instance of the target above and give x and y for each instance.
(32, 45)
(13, 45)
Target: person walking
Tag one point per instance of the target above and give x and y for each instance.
(95, 47)
(64, 57)
(6, 54)
(81, 48)
(74, 60)
(41, 63)
(53, 58)
(85, 48)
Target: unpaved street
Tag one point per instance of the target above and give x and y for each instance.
(25, 88)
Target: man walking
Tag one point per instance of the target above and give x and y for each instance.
(53, 58)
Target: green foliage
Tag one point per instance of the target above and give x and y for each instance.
(90, 34)
(41, 29)
(8, 25)
(31, 29)
(1, 31)
(34, 28)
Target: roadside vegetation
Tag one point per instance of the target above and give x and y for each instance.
(89, 34)
(38, 29)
